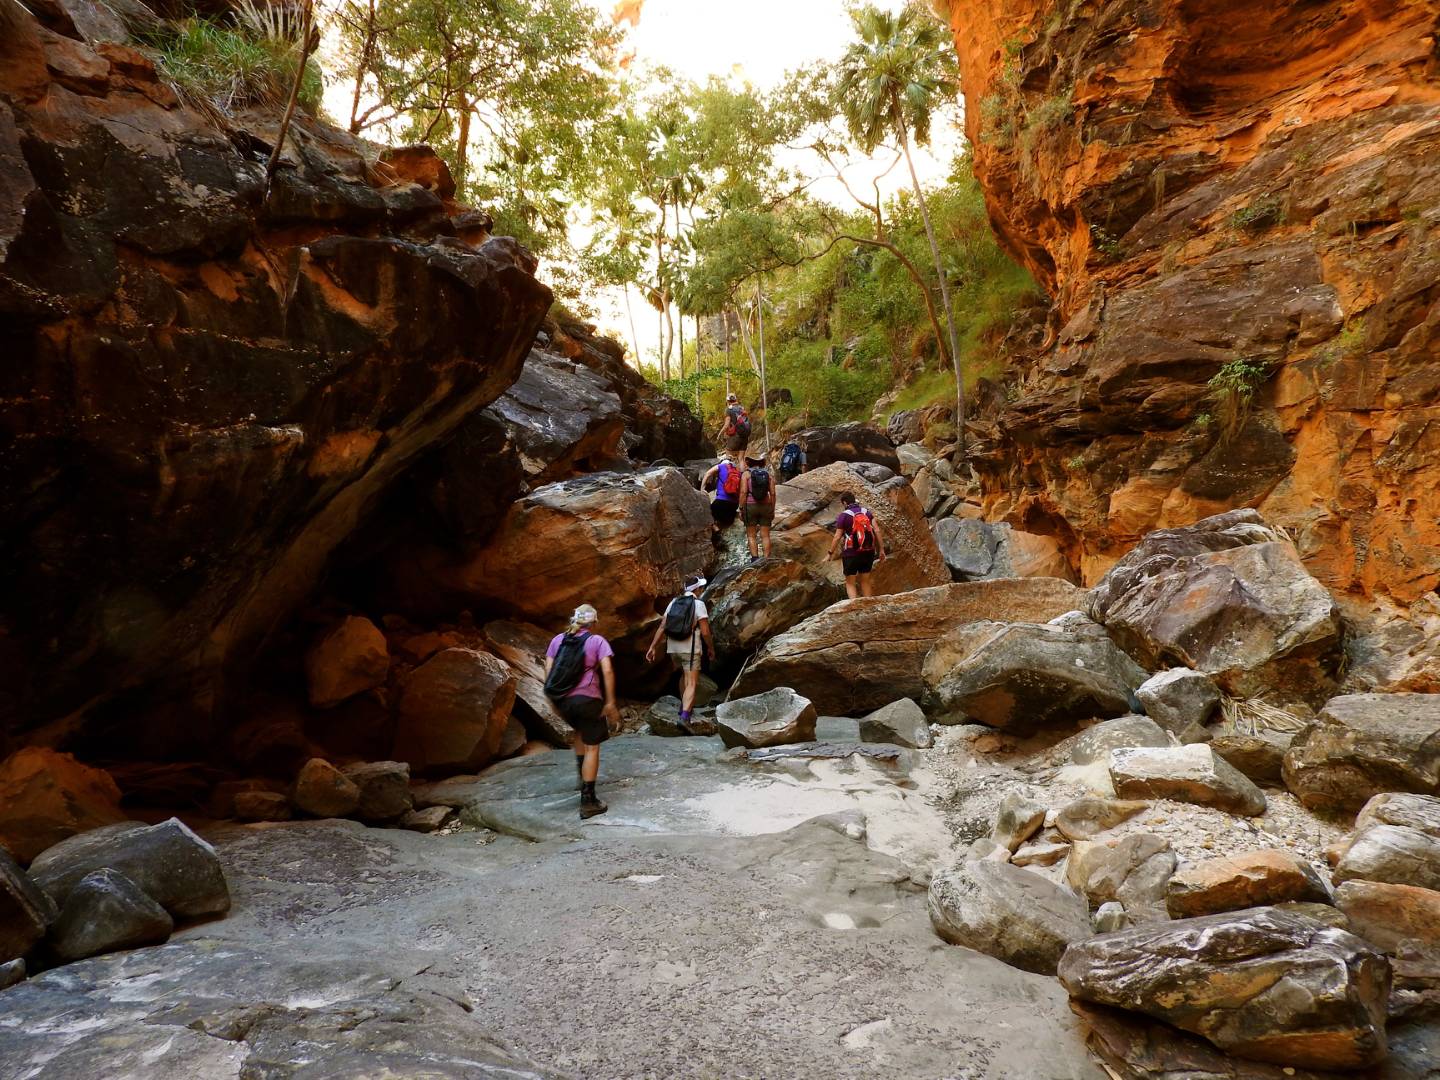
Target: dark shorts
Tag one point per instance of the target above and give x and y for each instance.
(860, 563)
(586, 715)
(723, 511)
(737, 442)
(760, 514)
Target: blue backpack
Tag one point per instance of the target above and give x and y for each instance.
(790, 461)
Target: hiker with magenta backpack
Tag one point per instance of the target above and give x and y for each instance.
(724, 478)
(576, 664)
(734, 431)
(757, 500)
(862, 545)
(686, 629)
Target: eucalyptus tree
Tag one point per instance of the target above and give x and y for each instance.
(892, 78)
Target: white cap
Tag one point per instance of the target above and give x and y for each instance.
(584, 615)
(696, 585)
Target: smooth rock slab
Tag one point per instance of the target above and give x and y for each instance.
(1190, 774)
(1007, 912)
(1261, 984)
(25, 910)
(1362, 745)
(173, 866)
(901, 722)
(664, 719)
(1095, 743)
(1389, 914)
(770, 719)
(1249, 879)
(107, 911)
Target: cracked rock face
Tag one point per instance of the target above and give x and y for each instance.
(206, 391)
(1262, 984)
(1195, 184)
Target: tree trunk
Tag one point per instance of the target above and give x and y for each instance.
(764, 388)
(367, 53)
(462, 146)
(944, 285)
(634, 334)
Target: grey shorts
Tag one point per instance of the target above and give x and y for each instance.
(686, 659)
(759, 514)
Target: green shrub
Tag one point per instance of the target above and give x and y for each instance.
(1232, 388)
(1264, 213)
(227, 68)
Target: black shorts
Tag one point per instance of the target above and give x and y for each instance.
(724, 511)
(586, 715)
(862, 562)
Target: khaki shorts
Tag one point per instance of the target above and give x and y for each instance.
(760, 514)
(685, 658)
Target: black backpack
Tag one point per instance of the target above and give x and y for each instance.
(790, 461)
(760, 484)
(680, 618)
(568, 668)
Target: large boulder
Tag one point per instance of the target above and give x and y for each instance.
(453, 712)
(1249, 879)
(1227, 596)
(1095, 743)
(967, 545)
(1395, 854)
(805, 512)
(107, 911)
(1190, 774)
(773, 718)
(1260, 756)
(1364, 744)
(1262, 983)
(1089, 816)
(25, 910)
(268, 368)
(46, 796)
(172, 865)
(348, 659)
(383, 789)
(858, 655)
(523, 648)
(618, 540)
(324, 791)
(853, 442)
(1389, 914)
(1025, 676)
(1007, 912)
(750, 604)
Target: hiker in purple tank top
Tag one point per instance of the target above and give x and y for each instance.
(580, 683)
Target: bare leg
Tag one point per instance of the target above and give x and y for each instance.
(591, 768)
(867, 585)
(851, 589)
(765, 539)
(690, 681)
(750, 539)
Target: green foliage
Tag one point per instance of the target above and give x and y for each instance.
(229, 67)
(1346, 345)
(892, 77)
(1106, 243)
(1232, 389)
(1264, 213)
(1076, 463)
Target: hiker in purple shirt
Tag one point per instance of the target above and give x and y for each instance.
(577, 665)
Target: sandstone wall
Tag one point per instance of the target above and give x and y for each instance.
(1198, 182)
(204, 390)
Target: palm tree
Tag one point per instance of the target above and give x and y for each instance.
(891, 80)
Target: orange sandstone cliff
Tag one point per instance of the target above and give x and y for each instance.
(1236, 210)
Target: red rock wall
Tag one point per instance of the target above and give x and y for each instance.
(1197, 182)
(203, 391)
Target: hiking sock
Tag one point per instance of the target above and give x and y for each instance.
(590, 804)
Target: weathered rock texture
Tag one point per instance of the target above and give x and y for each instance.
(206, 391)
(1200, 183)
(858, 655)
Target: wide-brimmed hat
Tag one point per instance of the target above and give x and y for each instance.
(755, 459)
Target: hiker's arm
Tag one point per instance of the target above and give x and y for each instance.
(709, 641)
(549, 663)
(655, 641)
(714, 471)
(835, 543)
(744, 485)
(879, 538)
(607, 672)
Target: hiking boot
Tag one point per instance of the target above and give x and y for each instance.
(590, 804)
